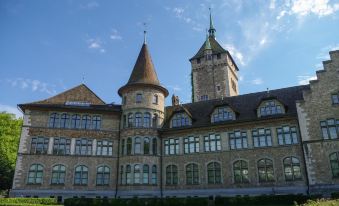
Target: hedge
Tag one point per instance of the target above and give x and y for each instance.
(321, 202)
(196, 201)
(27, 201)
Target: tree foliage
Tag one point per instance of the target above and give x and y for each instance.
(10, 128)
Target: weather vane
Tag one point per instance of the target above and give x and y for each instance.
(145, 31)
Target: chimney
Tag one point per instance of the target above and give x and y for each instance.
(175, 100)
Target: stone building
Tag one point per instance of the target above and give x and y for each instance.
(272, 142)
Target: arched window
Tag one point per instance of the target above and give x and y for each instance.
(334, 159)
(103, 173)
(54, 120)
(155, 121)
(64, 120)
(96, 122)
(123, 147)
(154, 175)
(81, 175)
(180, 120)
(192, 174)
(145, 173)
(138, 118)
(222, 114)
(147, 120)
(240, 169)
(58, 174)
(121, 174)
(171, 175)
(154, 146)
(129, 146)
(265, 170)
(146, 145)
(86, 122)
(214, 173)
(130, 120)
(75, 122)
(137, 174)
(270, 107)
(35, 174)
(292, 169)
(128, 175)
(137, 145)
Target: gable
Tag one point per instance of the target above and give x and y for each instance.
(79, 94)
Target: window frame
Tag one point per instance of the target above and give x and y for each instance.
(234, 139)
(59, 173)
(214, 173)
(62, 142)
(83, 181)
(191, 145)
(258, 136)
(243, 172)
(283, 135)
(292, 165)
(37, 171)
(266, 169)
(192, 174)
(39, 147)
(171, 174)
(103, 176)
(212, 143)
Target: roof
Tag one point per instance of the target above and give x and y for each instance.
(216, 49)
(244, 105)
(96, 108)
(143, 72)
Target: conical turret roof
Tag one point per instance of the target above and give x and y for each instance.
(144, 73)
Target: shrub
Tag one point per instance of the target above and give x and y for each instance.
(21, 200)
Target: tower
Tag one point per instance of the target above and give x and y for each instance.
(142, 114)
(214, 72)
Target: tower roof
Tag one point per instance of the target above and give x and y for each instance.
(211, 30)
(143, 73)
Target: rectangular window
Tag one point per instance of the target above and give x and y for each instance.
(96, 122)
(262, 137)
(62, 146)
(287, 135)
(191, 145)
(155, 99)
(104, 148)
(335, 98)
(218, 56)
(212, 143)
(83, 146)
(138, 98)
(198, 61)
(204, 97)
(39, 145)
(172, 146)
(330, 128)
(238, 140)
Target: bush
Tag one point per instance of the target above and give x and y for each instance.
(32, 201)
(321, 202)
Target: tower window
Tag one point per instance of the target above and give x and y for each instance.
(155, 99)
(218, 56)
(218, 88)
(138, 98)
(198, 61)
(204, 97)
(208, 57)
(234, 87)
(335, 98)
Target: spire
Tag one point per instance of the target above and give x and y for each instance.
(212, 30)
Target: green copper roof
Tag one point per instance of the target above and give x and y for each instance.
(215, 46)
(207, 44)
(212, 30)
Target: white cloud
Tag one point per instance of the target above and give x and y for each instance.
(235, 53)
(96, 44)
(304, 79)
(318, 7)
(34, 85)
(11, 110)
(181, 14)
(115, 35)
(272, 4)
(89, 5)
(175, 88)
(257, 81)
(324, 52)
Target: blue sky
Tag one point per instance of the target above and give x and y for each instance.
(48, 46)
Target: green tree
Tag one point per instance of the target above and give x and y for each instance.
(10, 128)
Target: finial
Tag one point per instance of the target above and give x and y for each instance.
(145, 32)
(212, 29)
(83, 78)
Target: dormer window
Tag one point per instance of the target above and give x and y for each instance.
(270, 107)
(181, 120)
(138, 98)
(222, 114)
